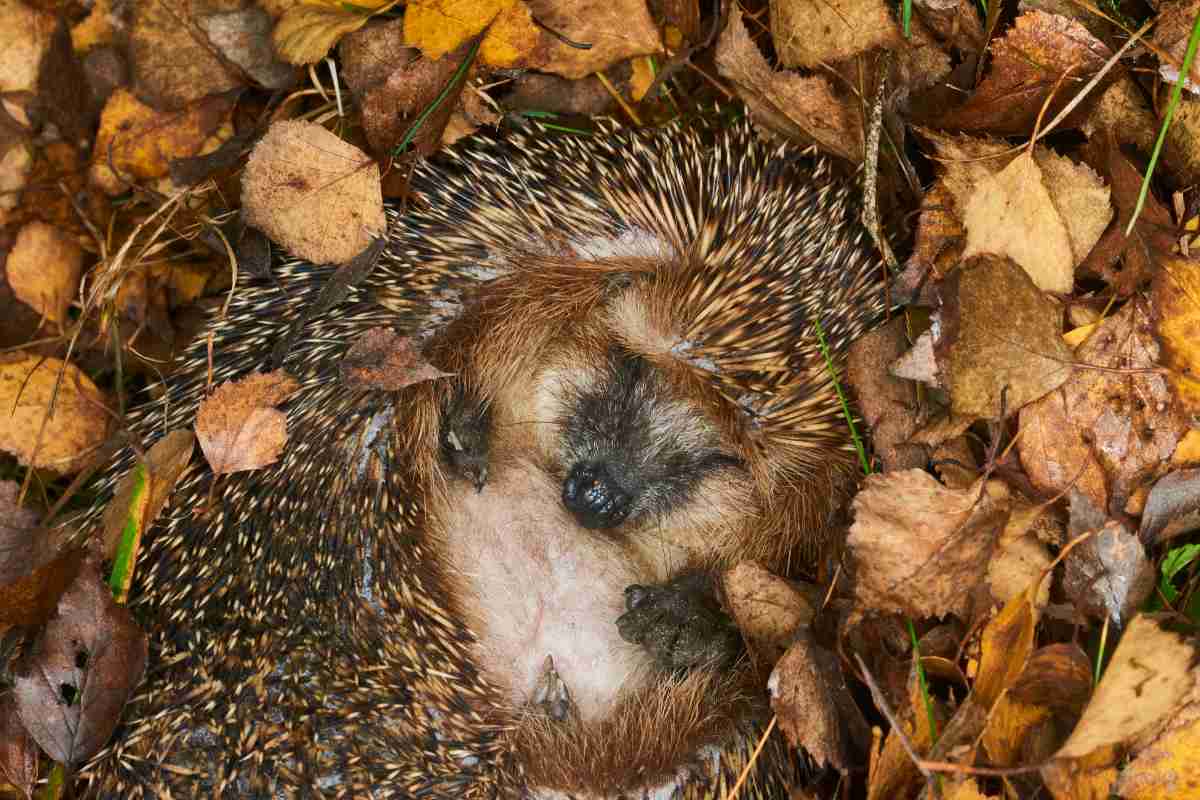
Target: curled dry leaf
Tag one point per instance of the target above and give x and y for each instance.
(43, 269)
(34, 569)
(314, 194)
(919, 548)
(143, 491)
(61, 441)
(383, 359)
(1110, 427)
(82, 669)
(238, 426)
(807, 33)
(1000, 339)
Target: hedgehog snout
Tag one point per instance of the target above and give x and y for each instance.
(594, 497)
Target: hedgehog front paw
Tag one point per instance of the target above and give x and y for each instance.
(680, 623)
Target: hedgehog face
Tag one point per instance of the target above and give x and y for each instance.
(631, 447)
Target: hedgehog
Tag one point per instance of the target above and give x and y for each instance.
(504, 582)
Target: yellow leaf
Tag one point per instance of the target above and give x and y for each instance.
(305, 33)
(1176, 298)
(437, 27)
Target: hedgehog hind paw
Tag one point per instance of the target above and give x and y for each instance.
(680, 623)
(551, 697)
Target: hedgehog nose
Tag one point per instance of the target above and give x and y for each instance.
(591, 494)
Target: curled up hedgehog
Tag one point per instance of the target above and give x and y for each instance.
(501, 583)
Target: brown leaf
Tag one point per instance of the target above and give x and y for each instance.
(1110, 427)
(888, 404)
(174, 64)
(919, 548)
(1172, 508)
(1005, 645)
(33, 571)
(383, 359)
(1169, 765)
(1151, 672)
(306, 32)
(809, 695)
(768, 610)
(1108, 574)
(238, 426)
(800, 108)
(43, 269)
(243, 38)
(1028, 65)
(1000, 341)
(18, 751)
(807, 33)
(82, 669)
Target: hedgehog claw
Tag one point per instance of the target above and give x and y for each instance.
(550, 694)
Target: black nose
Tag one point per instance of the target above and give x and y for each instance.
(591, 494)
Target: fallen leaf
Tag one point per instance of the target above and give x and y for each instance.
(808, 33)
(1175, 309)
(888, 404)
(307, 32)
(918, 548)
(1000, 340)
(769, 610)
(43, 269)
(173, 63)
(1108, 574)
(382, 359)
(314, 194)
(82, 669)
(1172, 508)
(61, 441)
(238, 426)
(18, 751)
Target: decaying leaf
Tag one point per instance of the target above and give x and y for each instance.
(83, 667)
(314, 194)
(239, 427)
(888, 404)
(1107, 574)
(918, 547)
(1175, 304)
(814, 707)
(1041, 55)
(1107, 430)
(308, 31)
(34, 567)
(174, 64)
(1172, 508)
(18, 751)
(383, 359)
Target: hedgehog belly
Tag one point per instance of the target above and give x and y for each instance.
(537, 586)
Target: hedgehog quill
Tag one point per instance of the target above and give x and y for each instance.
(501, 583)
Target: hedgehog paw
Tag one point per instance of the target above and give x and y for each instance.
(551, 696)
(680, 623)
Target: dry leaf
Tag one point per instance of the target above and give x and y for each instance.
(1175, 299)
(1168, 766)
(1000, 340)
(917, 547)
(43, 269)
(1109, 428)
(238, 426)
(139, 142)
(243, 37)
(63, 441)
(307, 32)
(1172, 508)
(382, 359)
(164, 463)
(1028, 65)
(769, 610)
(888, 404)
(18, 752)
(314, 194)
(84, 665)
(173, 63)
(808, 33)
(1108, 574)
